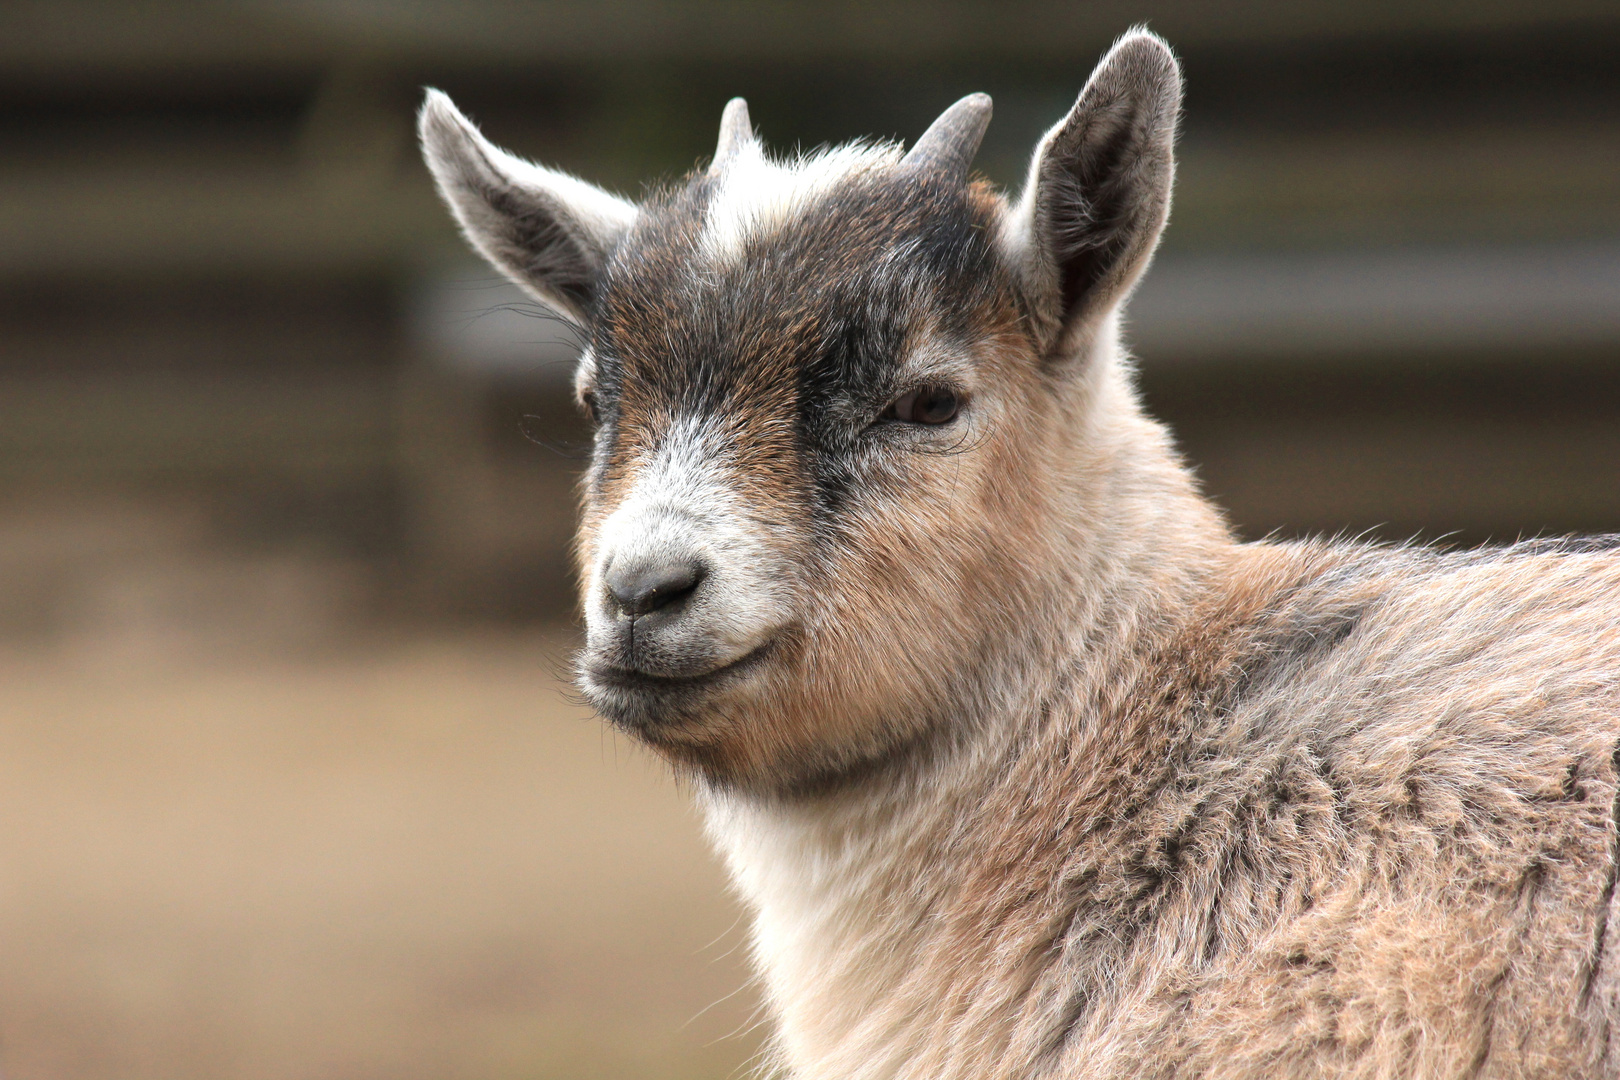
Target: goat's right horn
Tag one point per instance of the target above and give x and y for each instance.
(736, 131)
(948, 146)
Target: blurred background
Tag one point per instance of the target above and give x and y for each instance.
(291, 784)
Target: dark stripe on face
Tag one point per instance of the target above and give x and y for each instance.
(803, 333)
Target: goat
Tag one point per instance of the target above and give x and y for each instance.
(1023, 764)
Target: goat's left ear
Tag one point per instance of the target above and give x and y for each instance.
(549, 232)
(1098, 192)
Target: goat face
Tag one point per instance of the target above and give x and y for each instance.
(836, 401)
(784, 548)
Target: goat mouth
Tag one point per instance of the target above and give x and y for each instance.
(610, 677)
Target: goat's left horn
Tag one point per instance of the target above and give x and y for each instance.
(736, 131)
(948, 146)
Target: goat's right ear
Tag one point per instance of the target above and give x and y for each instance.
(1098, 192)
(549, 232)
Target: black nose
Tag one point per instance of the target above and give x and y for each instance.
(641, 587)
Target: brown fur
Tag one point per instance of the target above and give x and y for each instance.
(1024, 765)
(1171, 877)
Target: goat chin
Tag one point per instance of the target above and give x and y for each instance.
(1023, 764)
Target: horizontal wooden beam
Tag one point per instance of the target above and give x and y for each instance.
(43, 35)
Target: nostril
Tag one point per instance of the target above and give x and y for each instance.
(640, 588)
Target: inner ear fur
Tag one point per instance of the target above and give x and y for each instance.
(1098, 192)
(549, 232)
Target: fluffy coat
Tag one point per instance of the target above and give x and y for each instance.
(1024, 765)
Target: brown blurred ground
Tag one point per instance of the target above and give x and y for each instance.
(242, 836)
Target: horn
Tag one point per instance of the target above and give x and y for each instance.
(948, 146)
(735, 132)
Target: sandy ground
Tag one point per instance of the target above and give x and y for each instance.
(393, 858)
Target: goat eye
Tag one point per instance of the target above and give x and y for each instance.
(927, 405)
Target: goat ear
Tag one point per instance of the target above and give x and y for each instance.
(1098, 191)
(549, 232)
